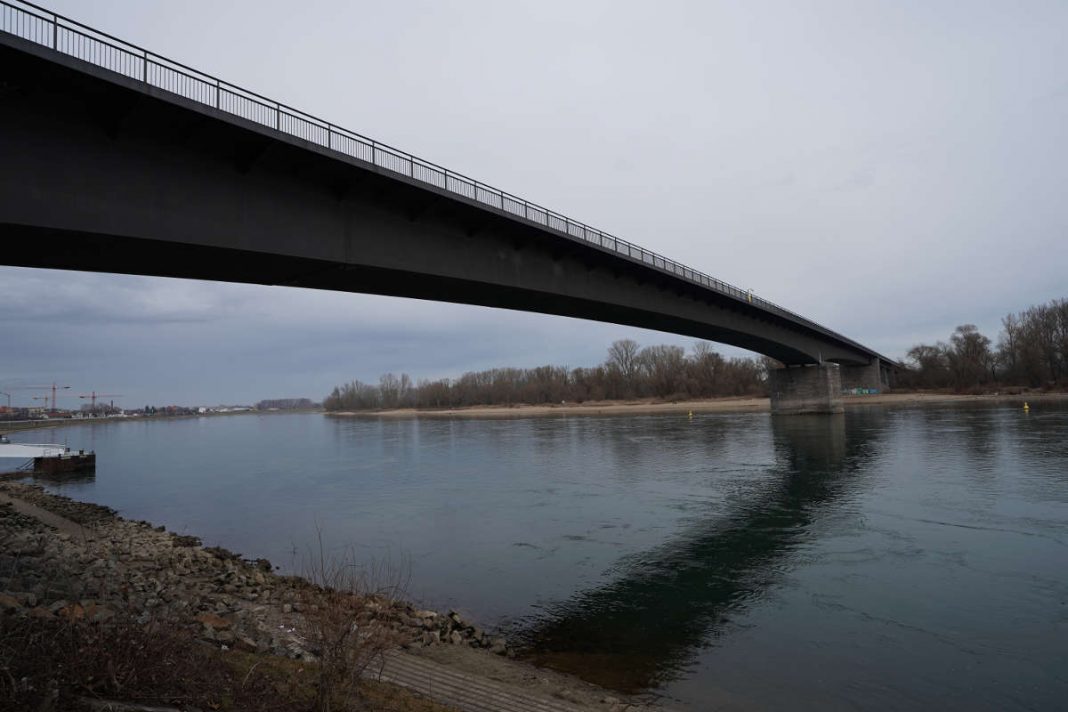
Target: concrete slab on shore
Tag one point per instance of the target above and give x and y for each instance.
(60, 524)
(468, 693)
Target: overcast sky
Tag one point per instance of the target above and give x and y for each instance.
(889, 169)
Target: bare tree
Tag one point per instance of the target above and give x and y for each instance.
(1009, 345)
(664, 368)
(930, 366)
(389, 387)
(970, 356)
(706, 368)
(623, 360)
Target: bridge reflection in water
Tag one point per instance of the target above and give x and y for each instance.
(644, 628)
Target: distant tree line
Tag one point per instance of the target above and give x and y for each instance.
(286, 404)
(1032, 351)
(629, 371)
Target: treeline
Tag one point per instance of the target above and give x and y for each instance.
(1031, 351)
(287, 404)
(665, 372)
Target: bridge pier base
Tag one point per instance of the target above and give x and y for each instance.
(873, 377)
(803, 390)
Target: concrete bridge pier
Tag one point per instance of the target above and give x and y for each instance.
(804, 390)
(874, 376)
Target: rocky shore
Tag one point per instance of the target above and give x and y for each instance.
(130, 565)
(92, 565)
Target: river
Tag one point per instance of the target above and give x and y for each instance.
(887, 559)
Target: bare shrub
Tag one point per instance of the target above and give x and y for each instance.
(57, 664)
(349, 621)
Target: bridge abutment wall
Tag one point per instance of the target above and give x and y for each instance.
(872, 377)
(805, 390)
(875, 377)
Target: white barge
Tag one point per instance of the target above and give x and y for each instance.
(48, 457)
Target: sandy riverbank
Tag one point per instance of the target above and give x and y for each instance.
(713, 405)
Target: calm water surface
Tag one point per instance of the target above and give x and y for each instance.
(887, 559)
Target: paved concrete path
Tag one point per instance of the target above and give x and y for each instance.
(61, 524)
(466, 692)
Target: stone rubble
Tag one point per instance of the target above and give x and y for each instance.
(140, 570)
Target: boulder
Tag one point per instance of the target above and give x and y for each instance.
(210, 620)
(101, 614)
(25, 549)
(246, 644)
(185, 540)
(27, 598)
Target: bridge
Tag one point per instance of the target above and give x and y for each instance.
(119, 160)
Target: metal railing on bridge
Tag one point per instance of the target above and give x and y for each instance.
(69, 37)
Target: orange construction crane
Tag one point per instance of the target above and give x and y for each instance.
(53, 387)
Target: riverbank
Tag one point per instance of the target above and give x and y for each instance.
(67, 565)
(711, 405)
(12, 426)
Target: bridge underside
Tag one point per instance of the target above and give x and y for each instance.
(100, 174)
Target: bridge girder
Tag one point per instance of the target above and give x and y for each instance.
(168, 187)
